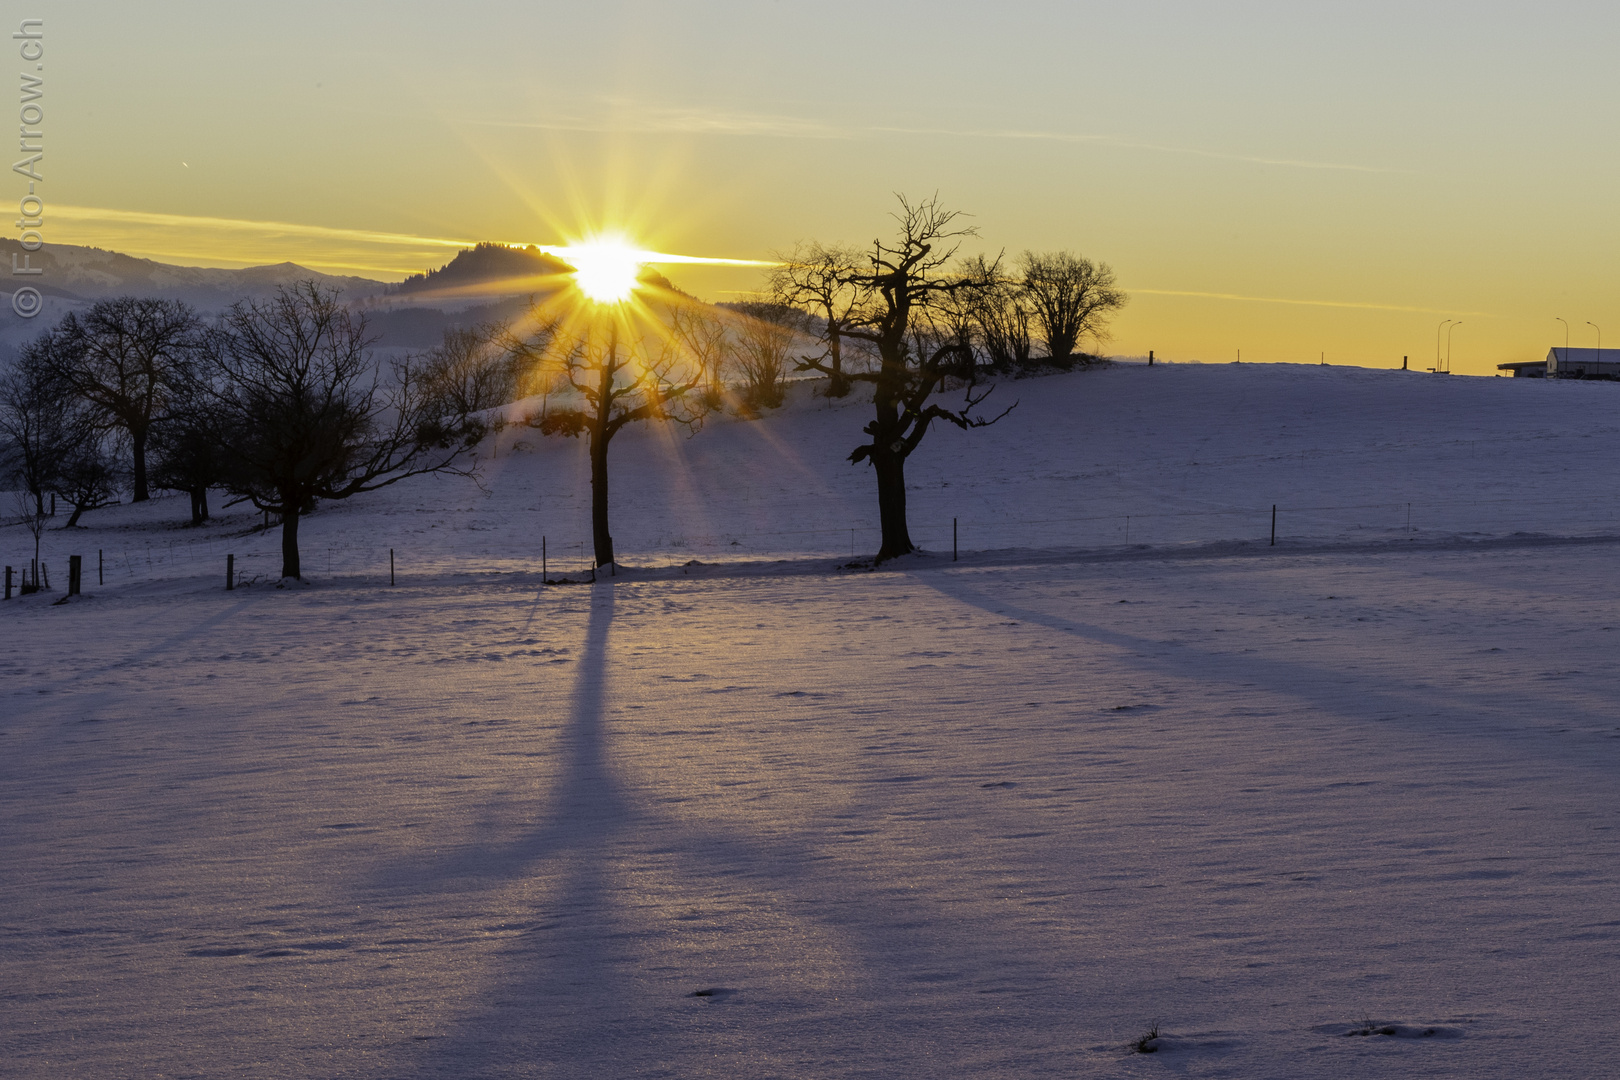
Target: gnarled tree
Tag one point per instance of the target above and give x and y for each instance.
(898, 293)
(302, 412)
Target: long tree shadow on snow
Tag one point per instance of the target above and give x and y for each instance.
(566, 997)
(1352, 697)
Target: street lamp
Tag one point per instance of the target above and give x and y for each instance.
(1565, 358)
(1448, 345)
(1437, 330)
(1597, 362)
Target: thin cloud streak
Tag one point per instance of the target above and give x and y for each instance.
(1310, 303)
(1129, 144)
(279, 228)
(687, 122)
(322, 232)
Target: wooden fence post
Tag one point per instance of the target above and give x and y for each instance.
(75, 573)
(230, 572)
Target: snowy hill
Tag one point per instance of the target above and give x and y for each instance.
(1342, 807)
(1089, 461)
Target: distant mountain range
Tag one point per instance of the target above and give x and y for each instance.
(88, 273)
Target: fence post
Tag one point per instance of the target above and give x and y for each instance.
(75, 573)
(8, 583)
(953, 539)
(1273, 524)
(101, 568)
(542, 560)
(230, 572)
(390, 567)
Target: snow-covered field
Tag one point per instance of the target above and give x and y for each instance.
(986, 818)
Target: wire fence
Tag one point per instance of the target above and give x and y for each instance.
(256, 556)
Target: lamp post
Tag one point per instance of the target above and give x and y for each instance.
(1437, 330)
(1448, 345)
(1565, 358)
(1597, 361)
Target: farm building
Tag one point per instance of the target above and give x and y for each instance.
(1583, 363)
(1525, 369)
(1568, 364)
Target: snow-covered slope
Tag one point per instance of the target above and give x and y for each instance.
(1345, 807)
(1168, 455)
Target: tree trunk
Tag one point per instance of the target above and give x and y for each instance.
(199, 505)
(838, 384)
(289, 541)
(891, 477)
(137, 442)
(73, 518)
(601, 539)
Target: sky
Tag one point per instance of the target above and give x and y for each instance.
(1276, 181)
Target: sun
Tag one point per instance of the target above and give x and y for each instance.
(606, 268)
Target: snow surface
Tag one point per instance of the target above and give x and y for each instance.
(987, 818)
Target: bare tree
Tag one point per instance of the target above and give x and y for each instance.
(88, 475)
(1072, 298)
(302, 414)
(820, 280)
(621, 385)
(32, 517)
(471, 371)
(696, 330)
(186, 450)
(1000, 315)
(125, 356)
(900, 288)
(765, 334)
(37, 428)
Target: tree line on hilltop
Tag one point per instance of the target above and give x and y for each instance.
(282, 402)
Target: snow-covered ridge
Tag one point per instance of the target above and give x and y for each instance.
(1124, 455)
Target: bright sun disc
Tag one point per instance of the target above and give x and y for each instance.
(605, 269)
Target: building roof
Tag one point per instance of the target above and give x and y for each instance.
(1561, 356)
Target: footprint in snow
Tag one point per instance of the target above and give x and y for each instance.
(713, 993)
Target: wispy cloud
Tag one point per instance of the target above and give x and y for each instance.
(277, 230)
(1130, 144)
(1310, 303)
(622, 117)
(260, 228)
